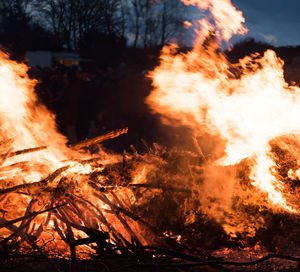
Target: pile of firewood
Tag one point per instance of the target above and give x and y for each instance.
(138, 211)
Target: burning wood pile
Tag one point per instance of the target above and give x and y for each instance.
(219, 206)
(87, 210)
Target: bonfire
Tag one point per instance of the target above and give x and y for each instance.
(171, 209)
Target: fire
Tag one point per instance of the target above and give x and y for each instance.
(228, 20)
(53, 195)
(25, 123)
(247, 104)
(187, 24)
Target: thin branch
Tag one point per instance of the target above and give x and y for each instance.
(29, 216)
(43, 182)
(102, 138)
(21, 152)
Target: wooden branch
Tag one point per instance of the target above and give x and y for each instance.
(60, 233)
(24, 165)
(43, 182)
(4, 157)
(25, 222)
(20, 152)
(99, 139)
(30, 215)
(103, 220)
(114, 207)
(71, 242)
(94, 235)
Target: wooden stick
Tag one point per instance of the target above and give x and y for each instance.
(115, 208)
(29, 215)
(71, 242)
(24, 151)
(119, 237)
(99, 139)
(50, 178)
(4, 157)
(25, 222)
(60, 233)
(198, 148)
(176, 254)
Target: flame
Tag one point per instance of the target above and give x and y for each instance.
(24, 122)
(247, 104)
(187, 24)
(26, 126)
(228, 20)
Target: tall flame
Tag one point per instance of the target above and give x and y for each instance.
(228, 20)
(24, 122)
(53, 176)
(247, 104)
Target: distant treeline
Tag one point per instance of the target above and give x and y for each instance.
(250, 46)
(106, 30)
(88, 24)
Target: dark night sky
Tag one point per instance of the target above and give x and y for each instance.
(273, 21)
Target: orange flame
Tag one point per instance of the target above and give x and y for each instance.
(199, 90)
(24, 124)
(228, 20)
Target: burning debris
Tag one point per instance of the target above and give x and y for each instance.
(85, 209)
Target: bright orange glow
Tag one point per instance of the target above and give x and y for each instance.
(187, 24)
(228, 20)
(26, 124)
(199, 90)
(247, 106)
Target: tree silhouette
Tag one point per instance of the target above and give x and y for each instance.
(18, 31)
